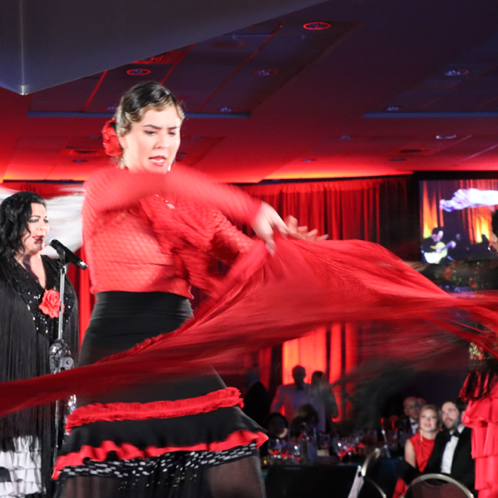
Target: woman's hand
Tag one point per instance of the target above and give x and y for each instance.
(302, 233)
(268, 220)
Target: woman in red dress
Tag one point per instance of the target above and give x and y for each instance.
(419, 447)
(149, 233)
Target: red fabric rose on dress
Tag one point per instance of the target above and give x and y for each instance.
(110, 139)
(51, 303)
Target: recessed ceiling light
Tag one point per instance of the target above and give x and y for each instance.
(265, 72)
(226, 109)
(316, 26)
(138, 72)
(456, 72)
(346, 137)
(80, 160)
(397, 159)
(393, 108)
(95, 137)
(112, 108)
(446, 137)
(196, 137)
(308, 160)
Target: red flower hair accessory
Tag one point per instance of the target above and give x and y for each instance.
(110, 139)
(51, 303)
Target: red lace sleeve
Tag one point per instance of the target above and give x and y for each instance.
(114, 189)
(227, 241)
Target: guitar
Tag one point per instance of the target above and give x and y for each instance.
(440, 252)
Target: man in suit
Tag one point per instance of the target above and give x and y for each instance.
(452, 447)
(292, 396)
(409, 423)
(256, 398)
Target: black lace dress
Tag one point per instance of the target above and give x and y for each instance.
(26, 437)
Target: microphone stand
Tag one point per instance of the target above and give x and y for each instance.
(59, 353)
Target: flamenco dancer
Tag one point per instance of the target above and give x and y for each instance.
(29, 313)
(149, 233)
(481, 415)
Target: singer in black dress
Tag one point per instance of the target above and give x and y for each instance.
(29, 297)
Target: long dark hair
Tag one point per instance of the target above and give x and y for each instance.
(15, 212)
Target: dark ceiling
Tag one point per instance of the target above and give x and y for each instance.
(390, 88)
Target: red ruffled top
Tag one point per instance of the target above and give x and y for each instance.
(154, 232)
(423, 449)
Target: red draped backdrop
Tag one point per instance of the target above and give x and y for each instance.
(382, 210)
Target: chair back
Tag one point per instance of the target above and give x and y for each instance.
(370, 489)
(436, 486)
(369, 468)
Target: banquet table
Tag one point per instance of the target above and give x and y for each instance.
(310, 481)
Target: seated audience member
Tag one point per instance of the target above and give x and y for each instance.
(323, 400)
(291, 396)
(409, 423)
(277, 426)
(306, 420)
(256, 398)
(452, 448)
(419, 447)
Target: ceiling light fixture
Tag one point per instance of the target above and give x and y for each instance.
(346, 137)
(317, 26)
(138, 72)
(265, 72)
(95, 137)
(111, 108)
(393, 108)
(446, 137)
(456, 72)
(226, 109)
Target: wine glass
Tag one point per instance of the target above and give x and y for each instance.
(296, 452)
(340, 448)
(274, 449)
(284, 449)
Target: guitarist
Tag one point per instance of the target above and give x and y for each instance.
(434, 248)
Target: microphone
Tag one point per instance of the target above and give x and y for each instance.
(67, 254)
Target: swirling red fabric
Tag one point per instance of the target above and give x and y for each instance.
(266, 299)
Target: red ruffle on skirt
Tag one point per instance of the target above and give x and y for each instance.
(128, 451)
(99, 412)
(482, 416)
(265, 300)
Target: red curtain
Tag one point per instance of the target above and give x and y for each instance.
(382, 210)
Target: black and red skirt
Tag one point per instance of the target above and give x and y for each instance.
(156, 437)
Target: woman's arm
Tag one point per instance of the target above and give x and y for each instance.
(114, 189)
(410, 454)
